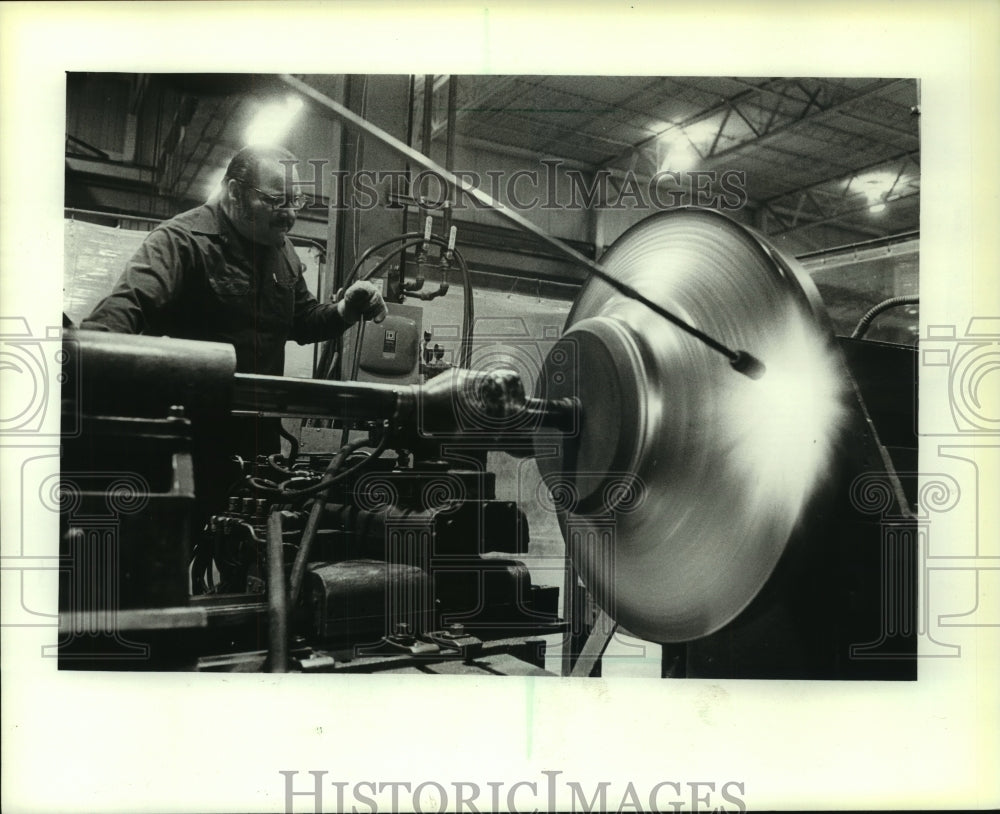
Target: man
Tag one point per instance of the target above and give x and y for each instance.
(226, 272)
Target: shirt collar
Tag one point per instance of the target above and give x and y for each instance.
(209, 219)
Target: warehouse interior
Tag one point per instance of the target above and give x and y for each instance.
(812, 184)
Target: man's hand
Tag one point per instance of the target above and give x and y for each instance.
(362, 299)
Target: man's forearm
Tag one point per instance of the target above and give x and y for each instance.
(318, 322)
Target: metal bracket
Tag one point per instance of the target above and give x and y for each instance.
(597, 642)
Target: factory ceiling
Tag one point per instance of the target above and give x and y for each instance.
(810, 147)
(827, 161)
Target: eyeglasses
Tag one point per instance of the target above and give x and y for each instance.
(296, 201)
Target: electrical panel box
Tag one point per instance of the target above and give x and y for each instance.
(390, 350)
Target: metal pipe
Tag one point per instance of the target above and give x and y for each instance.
(312, 523)
(162, 373)
(425, 132)
(449, 154)
(277, 603)
(124, 374)
(437, 404)
(317, 398)
(410, 97)
(874, 243)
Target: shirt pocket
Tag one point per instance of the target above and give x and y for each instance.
(230, 305)
(228, 282)
(282, 300)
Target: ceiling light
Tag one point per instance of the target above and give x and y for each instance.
(680, 157)
(876, 208)
(876, 185)
(272, 121)
(702, 133)
(681, 149)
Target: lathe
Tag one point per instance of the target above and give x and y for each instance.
(712, 452)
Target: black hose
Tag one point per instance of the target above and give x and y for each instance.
(409, 240)
(469, 312)
(275, 462)
(328, 477)
(201, 566)
(328, 359)
(409, 244)
(316, 511)
(262, 486)
(865, 322)
(372, 249)
(293, 453)
(468, 306)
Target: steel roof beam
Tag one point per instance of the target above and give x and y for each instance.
(693, 119)
(836, 217)
(904, 157)
(803, 116)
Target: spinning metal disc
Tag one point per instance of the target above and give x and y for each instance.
(679, 491)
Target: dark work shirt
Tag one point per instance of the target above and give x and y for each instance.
(196, 277)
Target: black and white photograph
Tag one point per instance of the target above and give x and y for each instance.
(499, 433)
(585, 370)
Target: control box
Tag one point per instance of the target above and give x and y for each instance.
(390, 350)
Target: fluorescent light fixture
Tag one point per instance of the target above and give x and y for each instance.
(702, 133)
(272, 121)
(876, 185)
(679, 147)
(680, 158)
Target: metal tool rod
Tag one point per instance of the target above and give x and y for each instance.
(277, 395)
(556, 414)
(277, 602)
(351, 119)
(312, 524)
(322, 398)
(449, 151)
(597, 642)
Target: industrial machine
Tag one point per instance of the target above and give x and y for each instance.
(712, 452)
(722, 510)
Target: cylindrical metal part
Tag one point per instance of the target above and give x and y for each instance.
(683, 484)
(460, 401)
(277, 602)
(277, 395)
(119, 374)
(124, 374)
(449, 152)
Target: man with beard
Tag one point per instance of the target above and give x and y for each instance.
(227, 272)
